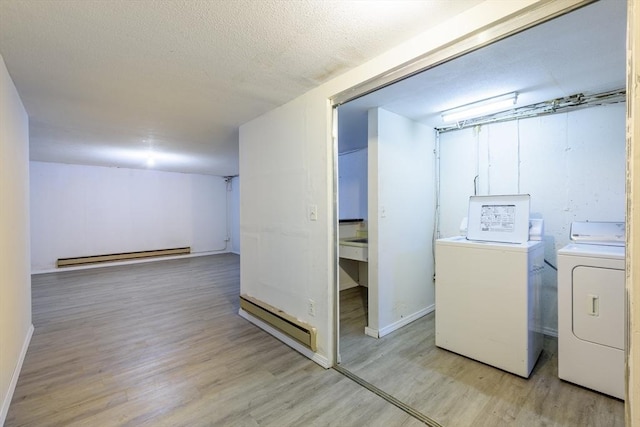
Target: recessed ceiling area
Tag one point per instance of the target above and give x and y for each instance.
(109, 82)
(581, 52)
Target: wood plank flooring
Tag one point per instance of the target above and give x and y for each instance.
(457, 391)
(161, 344)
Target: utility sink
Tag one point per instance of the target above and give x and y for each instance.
(355, 248)
(355, 240)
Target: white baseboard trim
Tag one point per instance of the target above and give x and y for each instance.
(379, 333)
(318, 358)
(136, 261)
(406, 320)
(371, 332)
(14, 378)
(345, 286)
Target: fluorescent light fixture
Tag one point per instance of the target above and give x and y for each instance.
(480, 108)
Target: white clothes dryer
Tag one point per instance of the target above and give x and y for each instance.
(591, 310)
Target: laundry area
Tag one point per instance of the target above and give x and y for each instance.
(471, 223)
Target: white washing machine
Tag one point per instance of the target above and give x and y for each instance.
(591, 308)
(488, 301)
(488, 286)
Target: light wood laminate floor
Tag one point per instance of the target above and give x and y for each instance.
(161, 344)
(457, 391)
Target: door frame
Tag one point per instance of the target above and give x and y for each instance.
(538, 13)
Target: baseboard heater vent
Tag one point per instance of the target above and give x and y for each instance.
(125, 256)
(289, 325)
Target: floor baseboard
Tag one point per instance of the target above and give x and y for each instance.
(319, 359)
(117, 263)
(14, 378)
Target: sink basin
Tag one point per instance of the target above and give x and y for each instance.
(355, 248)
(356, 240)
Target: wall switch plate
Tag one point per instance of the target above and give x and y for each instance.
(313, 212)
(312, 307)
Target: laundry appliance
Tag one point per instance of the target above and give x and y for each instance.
(488, 286)
(591, 307)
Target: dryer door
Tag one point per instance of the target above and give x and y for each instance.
(598, 305)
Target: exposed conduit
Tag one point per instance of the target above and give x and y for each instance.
(229, 188)
(558, 105)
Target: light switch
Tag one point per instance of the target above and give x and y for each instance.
(313, 212)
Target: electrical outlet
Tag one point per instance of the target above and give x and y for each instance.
(311, 307)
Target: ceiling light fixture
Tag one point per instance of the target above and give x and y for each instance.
(480, 108)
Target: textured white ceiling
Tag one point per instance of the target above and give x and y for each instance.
(580, 52)
(105, 82)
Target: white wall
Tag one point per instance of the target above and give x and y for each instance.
(572, 165)
(352, 184)
(401, 221)
(89, 210)
(286, 164)
(285, 255)
(15, 278)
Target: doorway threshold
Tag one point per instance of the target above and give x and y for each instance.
(389, 398)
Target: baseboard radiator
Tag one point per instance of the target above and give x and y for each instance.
(289, 325)
(125, 256)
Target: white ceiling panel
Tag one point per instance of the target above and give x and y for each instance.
(581, 52)
(105, 82)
